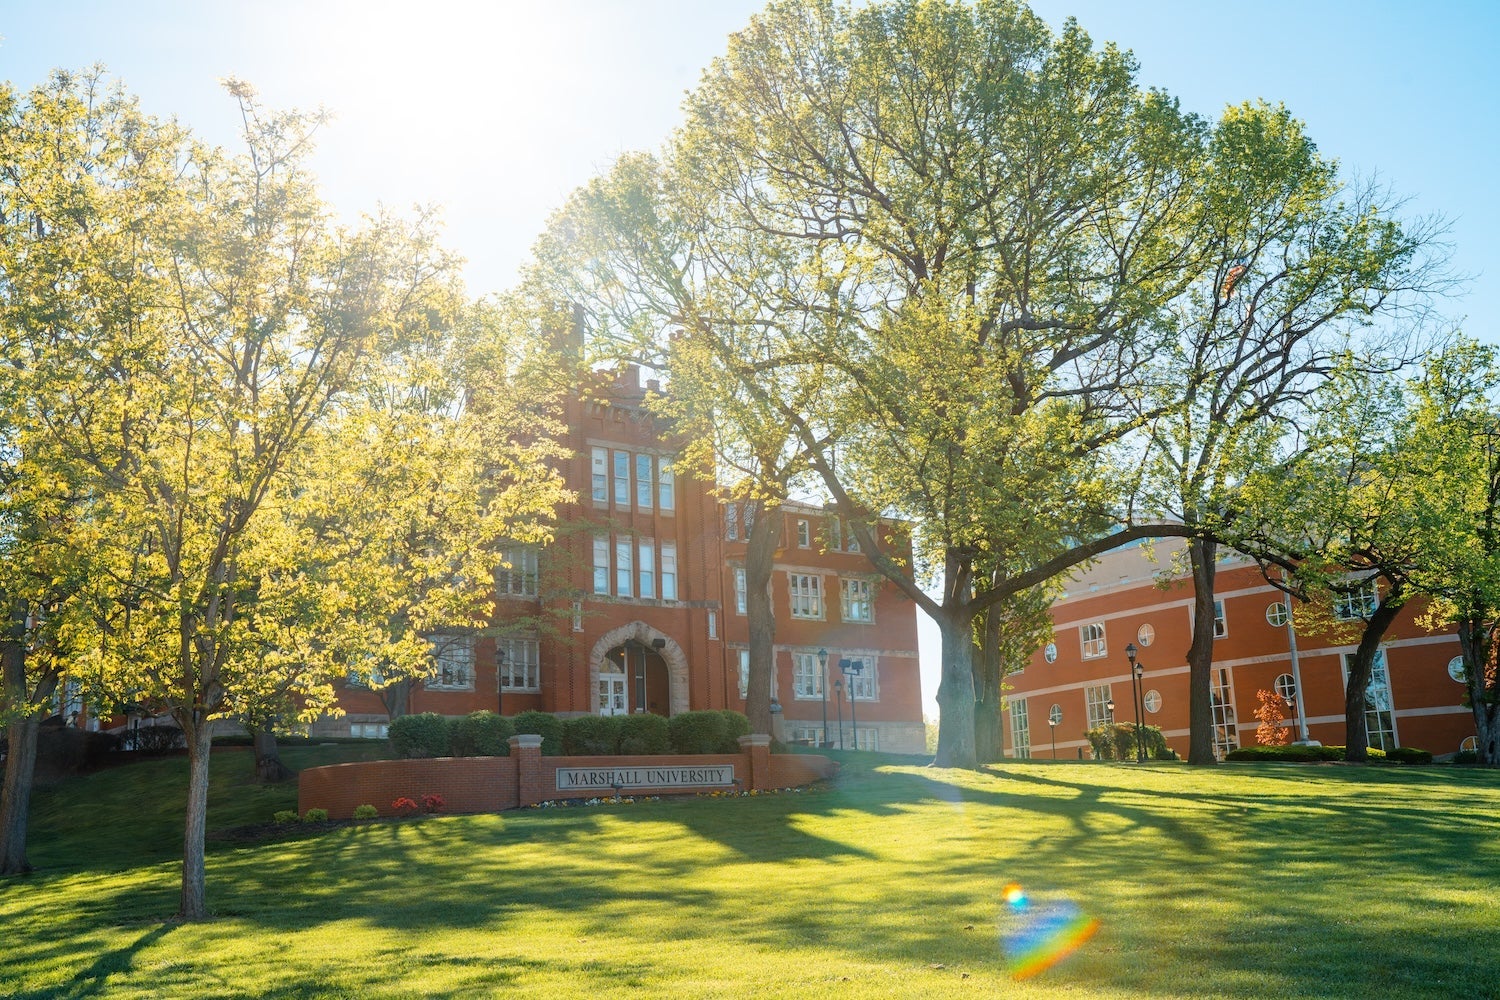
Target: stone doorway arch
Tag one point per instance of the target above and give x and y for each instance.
(676, 660)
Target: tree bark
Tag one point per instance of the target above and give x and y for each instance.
(760, 557)
(1475, 643)
(20, 761)
(195, 828)
(1202, 553)
(268, 766)
(989, 735)
(1356, 731)
(955, 695)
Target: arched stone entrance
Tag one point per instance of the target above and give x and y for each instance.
(671, 653)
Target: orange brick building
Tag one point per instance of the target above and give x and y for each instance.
(1413, 698)
(639, 606)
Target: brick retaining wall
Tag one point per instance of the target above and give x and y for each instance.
(491, 784)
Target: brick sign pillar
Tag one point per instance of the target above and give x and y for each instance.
(526, 750)
(757, 746)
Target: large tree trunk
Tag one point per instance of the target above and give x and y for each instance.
(20, 762)
(194, 898)
(760, 557)
(1356, 732)
(1475, 643)
(268, 766)
(397, 698)
(989, 735)
(955, 694)
(1200, 657)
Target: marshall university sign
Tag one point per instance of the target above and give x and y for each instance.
(597, 779)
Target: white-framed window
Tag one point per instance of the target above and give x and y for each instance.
(807, 676)
(622, 479)
(521, 669)
(666, 484)
(1152, 700)
(1286, 686)
(669, 571)
(601, 564)
(804, 534)
(644, 484)
(1146, 634)
(1020, 729)
(1276, 614)
(1457, 670)
(741, 602)
(744, 673)
(713, 624)
(647, 568)
(851, 540)
(1221, 624)
(1096, 698)
(867, 739)
(519, 574)
(732, 521)
(623, 569)
(864, 685)
(856, 601)
(369, 730)
(805, 735)
(601, 475)
(577, 616)
(1360, 602)
(453, 655)
(1049, 652)
(1221, 698)
(1380, 716)
(1091, 636)
(835, 534)
(806, 595)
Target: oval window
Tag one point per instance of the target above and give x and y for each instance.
(1145, 635)
(1049, 652)
(1276, 614)
(1286, 687)
(1054, 716)
(1152, 701)
(1456, 670)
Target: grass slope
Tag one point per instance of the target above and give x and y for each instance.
(1244, 880)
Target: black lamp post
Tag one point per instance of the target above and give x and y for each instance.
(1137, 682)
(499, 680)
(823, 691)
(854, 668)
(838, 690)
(1053, 718)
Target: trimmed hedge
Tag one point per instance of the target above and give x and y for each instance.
(592, 735)
(1304, 754)
(422, 735)
(708, 731)
(645, 735)
(480, 734)
(1116, 741)
(543, 724)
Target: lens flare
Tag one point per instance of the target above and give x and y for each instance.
(1044, 935)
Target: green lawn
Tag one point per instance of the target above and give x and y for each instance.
(1243, 880)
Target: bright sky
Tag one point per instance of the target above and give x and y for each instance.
(496, 110)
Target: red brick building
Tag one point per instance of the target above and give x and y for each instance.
(1413, 698)
(639, 606)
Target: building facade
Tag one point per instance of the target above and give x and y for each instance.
(1414, 696)
(639, 606)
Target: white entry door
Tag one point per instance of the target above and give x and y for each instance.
(612, 694)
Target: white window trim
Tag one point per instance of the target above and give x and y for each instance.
(444, 647)
(531, 674)
(869, 600)
(1099, 646)
(815, 593)
(810, 658)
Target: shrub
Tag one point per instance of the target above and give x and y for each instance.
(479, 734)
(366, 812)
(1409, 755)
(1466, 757)
(404, 806)
(644, 734)
(432, 802)
(315, 816)
(1305, 754)
(1116, 741)
(592, 735)
(698, 732)
(736, 724)
(422, 735)
(156, 739)
(285, 816)
(543, 724)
